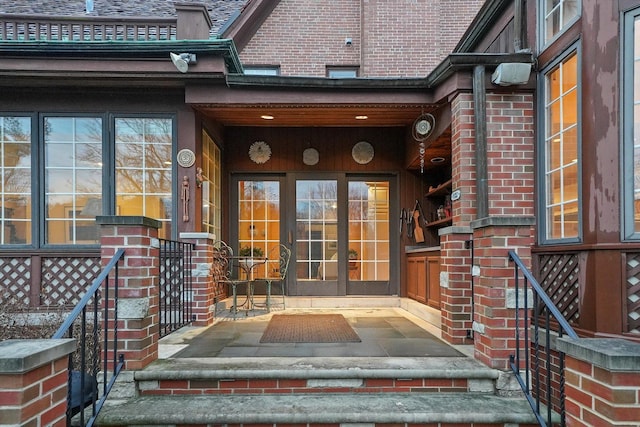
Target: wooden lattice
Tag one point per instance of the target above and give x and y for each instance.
(15, 281)
(65, 279)
(558, 276)
(633, 293)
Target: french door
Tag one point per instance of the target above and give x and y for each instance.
(337, 226)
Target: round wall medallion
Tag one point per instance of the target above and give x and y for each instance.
(310, 156)
(259, 152)
(362, 152)
(186, 158)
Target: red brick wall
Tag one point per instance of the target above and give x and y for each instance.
(463, 169)
(402, 38)
(598, 397)
(510, 157)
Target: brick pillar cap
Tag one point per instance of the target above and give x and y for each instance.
(504, 221)
(129, 220)
(195, 235)
(613, 354)
(17, 356)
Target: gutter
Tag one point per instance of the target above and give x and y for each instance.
(123, 50)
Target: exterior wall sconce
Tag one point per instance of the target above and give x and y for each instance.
(182, 60)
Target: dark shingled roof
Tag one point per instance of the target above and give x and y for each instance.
(219, 10)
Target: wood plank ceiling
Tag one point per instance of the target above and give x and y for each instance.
(332, 115)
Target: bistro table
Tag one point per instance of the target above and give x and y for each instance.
(247, 263)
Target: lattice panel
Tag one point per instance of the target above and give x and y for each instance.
(559, 278)
(65, 279)
(15, 281)
(633, 293)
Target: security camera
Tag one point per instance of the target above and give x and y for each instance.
(348, 41)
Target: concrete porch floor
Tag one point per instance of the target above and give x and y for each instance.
(387, 327)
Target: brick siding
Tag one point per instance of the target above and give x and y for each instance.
(401, 38)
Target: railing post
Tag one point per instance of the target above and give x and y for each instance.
(33, 381)
(138, 299)
(205, 295)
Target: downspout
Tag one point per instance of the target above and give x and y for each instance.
(480, 112)
(517, 26)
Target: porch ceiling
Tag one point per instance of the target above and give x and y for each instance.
(314, 115)
(331, 115)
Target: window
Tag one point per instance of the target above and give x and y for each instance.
(211, 186)
(72, 178)
(262, 70)
(342, 72)
(556, 17)
(143, 169)
(561, 149)
(15, 180)
(631, 136)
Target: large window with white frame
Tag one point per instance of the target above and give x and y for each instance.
(556, 16)
(561, 164)
(631, 120)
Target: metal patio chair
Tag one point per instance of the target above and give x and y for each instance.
(275, 275)
(226, 272)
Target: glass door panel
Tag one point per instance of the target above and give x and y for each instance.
(369, 230)
(316, 229)
(259, 220)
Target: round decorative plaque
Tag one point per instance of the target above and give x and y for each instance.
(259, 152)
(186, 158)
(310, 156)
(362, 152)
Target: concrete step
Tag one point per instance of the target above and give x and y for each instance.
(302, 375)
(461, 409)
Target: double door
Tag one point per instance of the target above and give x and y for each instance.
(337, 226)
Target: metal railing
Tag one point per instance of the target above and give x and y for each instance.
(538, 367)
(46, 28)
(176, 285)
(97, 345)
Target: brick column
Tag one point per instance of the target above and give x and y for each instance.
(205, 295)
(494, 285)
(33, 381)
(602, 381)
(138, 296)
(455, 284)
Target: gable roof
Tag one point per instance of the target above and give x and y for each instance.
(219, 10)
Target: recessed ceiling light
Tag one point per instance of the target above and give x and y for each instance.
(267, 117)
(437, 160)
(362, 117)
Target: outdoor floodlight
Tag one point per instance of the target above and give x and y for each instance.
(182, 60)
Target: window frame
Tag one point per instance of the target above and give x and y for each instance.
(38, 175)
(627, 173)
(542, 211)
(261, 70)
(341, 69)
(35, 185)
(543, 43)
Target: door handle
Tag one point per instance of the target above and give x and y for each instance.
(290, 237)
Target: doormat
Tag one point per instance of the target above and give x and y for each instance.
(312, 328)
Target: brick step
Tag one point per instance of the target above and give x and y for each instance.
(459, 409)
(311, 375)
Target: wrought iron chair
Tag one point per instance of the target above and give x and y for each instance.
(227, 273)
(275, 275)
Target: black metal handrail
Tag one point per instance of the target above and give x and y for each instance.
(176, 285)
(83, 373)
(540, 383)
